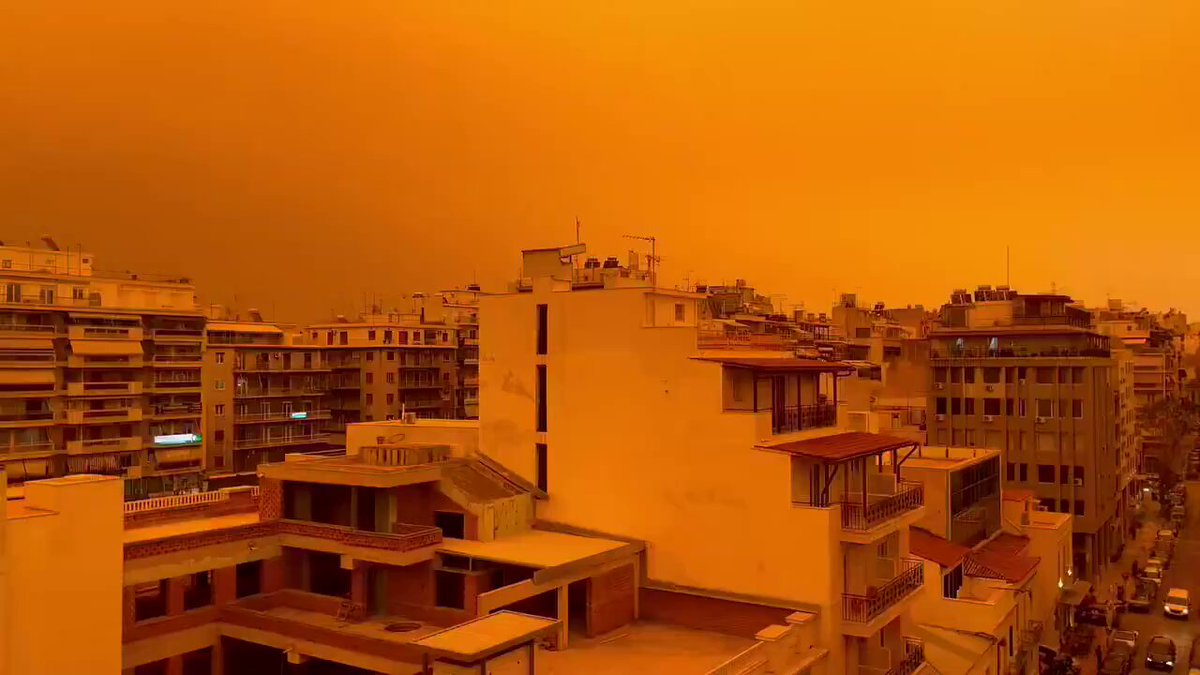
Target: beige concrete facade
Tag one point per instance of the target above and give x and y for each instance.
(100, 372)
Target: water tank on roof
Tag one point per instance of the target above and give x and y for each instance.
(611, 263)
(591, 264)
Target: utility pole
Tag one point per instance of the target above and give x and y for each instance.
(652, 259)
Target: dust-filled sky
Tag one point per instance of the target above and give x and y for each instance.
(300, 155)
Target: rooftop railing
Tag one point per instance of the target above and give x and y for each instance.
(855, 516)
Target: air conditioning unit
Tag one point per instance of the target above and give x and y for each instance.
(1078, 482)
(938, 385)
(989, 418)
(989, 388)
(941, 418)
(1040, 420)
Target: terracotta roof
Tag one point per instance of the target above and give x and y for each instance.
(841, 447)
(1006, 543)
(927, 545)
(997, 565)
(779, 365)
(1017, 495)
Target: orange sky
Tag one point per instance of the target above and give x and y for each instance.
(307, 152)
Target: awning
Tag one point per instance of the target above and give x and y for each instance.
(1075, 593)
(27, 469)
(131, 320)
(32, 376)
(779, 365)
(176, 455)
(106, 348)
(95, 463)
(243, 328)
(28, 343)
(842, 447)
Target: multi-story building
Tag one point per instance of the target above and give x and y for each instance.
(100, 372)
(461, 308)
(998, 588)
(1031, 376)
(726, 458)
(266, 394)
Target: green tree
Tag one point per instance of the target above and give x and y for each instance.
(1169, 426)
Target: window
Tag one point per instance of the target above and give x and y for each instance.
(1024, 472)
(1077, 374)
(969, 375)
(1047, 503)
(680, 312)
(8, 263)
(1064, 506)
(453, 525)
(1045, 407)
(952, 581)
(543, 479)
(956, 406)
(343, 337)
(1044, 375)
(991, 376)
(220, 385)
(391, 378)
(78, 292)
(391, 399)
(370, 356)
(1046, 473)
(1008, 407)
(219, 410)
(969, 406)
(1079, 474)
(220, 357)
(956, 376)
(1077, 408)
(371, 335)
(449, 589)
(541, 399)
(370, 399)
(197, 590)
(391, 356)
(249, 578)
(218, 461)
(991, 406)
(1021, 411)
(370, 378)
(1064, 376)
(939, 405)
(329, 338)
(1010, 472)
(219, 435)
(1021, 372)
(939, 374)
(46, 295)
(543, 328)
(150, 600)
(387, 336)
(1079, 507)
(1010, 641)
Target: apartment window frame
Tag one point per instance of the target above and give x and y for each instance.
(1077, 408)
(371, 335)
(219, 410)
(1045, 474)
(542, 466)
(969, 406)
(1044, 407)
(219, 357)
(542, 412)
(543, 329)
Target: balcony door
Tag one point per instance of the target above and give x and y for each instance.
(779, 411)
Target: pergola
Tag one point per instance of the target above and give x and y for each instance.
(853, 449)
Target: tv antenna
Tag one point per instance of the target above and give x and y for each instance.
(652, 259)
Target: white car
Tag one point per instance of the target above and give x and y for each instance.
(1178, 603)
(1153, 570)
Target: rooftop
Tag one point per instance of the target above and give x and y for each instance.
(948, 458)
(382, 466)
(533, 548)
(485, 636)
(929, 546)
(644, 647)
(200, 523)
(1001, 558)
(779, 365)
(842, 447)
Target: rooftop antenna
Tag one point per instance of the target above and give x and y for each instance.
(577, 226)
(652, 259)
(1007, 266)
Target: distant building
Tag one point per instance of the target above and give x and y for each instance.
(100, 372)
(1030, 374)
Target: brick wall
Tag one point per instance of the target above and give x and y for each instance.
(409, 585)
(704, 613)
(414, 504)
(610, 600)
(238, 502)
(440, 502)
(270, 498)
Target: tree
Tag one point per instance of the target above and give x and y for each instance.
(1171, 425)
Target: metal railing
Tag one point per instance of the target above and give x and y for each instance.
(263, 442)
(280, 391)
(26, 328)
(167, 333)
(914, 656)
(405, 538)
(282, 416)
(177, 358)
(865, 608)
(908, 496)
(798, 417)
(984, 353)
(35, 416)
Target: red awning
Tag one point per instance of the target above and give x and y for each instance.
(780, 365)
(927, 545)
(842, 447)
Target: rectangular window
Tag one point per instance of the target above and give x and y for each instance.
(969, 375)
(939, 374)
(956, 376)
(370, 356)
(219, 410)
(1077, 408)
(1044, 375)
(452, 524)
(956, 406)
(1046, 473)
(991, 406)
(343, 338)
(543, 477)
(249, 578)
(1064, 506)
(680, 312)
(370, 377)
(1008, 407)
(391, 398)
(1077, 374)
(1079, 475)
(1045, 407)
(543, 329)
(370, 399)
(391, 378)
(220, 357)
(371, 335)
(940, 405)
(541, 398)
(1047, 503)
(1079, 510)
(1064, 474)
(1010, 471)
(1021, 373)
(387, 336)
(391, 356)
(1064, 376)
(991, 376)
(1024, 472)
(197, 590)
(969, 406)
(1021, 408)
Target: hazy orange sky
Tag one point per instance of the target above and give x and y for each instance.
(304, 153)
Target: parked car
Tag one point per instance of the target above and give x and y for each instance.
(1097, 615)
(1164, 533)
(1145, 592)
(1179, 512)
(1178, 603)
(1160, 653)
(1116, 663)
(1123, 641)
(1153, 570)
(1163, 552)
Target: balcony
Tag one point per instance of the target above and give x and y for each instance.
(282, 416)
(176, 360)
(36, 418)
(26, 330)
(914, 658)
(104, 415)
(403, 538)
(102, 445)
(27, 450)
(177, 334)
(943, 358)
(470, 382)
(861, 515)
(14, 359)
(175, 410)
(420, 384)
(280, 366)
(264, 392)
(103, 388)
(279, 441)
(76, 361)
(177, 385)
(106, 332)
(790, 419)
(860, 612)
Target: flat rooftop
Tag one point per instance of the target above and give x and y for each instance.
(946, 458)
(406, 465)
(643, 647)
(201, 523)
(532, 548)
(17, 509)
(486, 636)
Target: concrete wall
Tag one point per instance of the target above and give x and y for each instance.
(64, 579)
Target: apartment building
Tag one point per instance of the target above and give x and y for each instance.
(1030, 375)
(616, 399)
(999, 566)
(100, 372)
(60, 575)
(266, 394)
(387, 365)
(461, 308)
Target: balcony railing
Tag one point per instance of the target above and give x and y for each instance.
(177, 333)
(282, 416)
(177, 358)
(105, 332)
(26, 328)
(404, 538)
(799, 417)
(263, 442)
(84, 388)
(279, 391)
(176, 409)
(102, 415)
(128, 444)
(33, 417)
(856, 516)
(984, 353)
(866, 608)
(914, 656)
